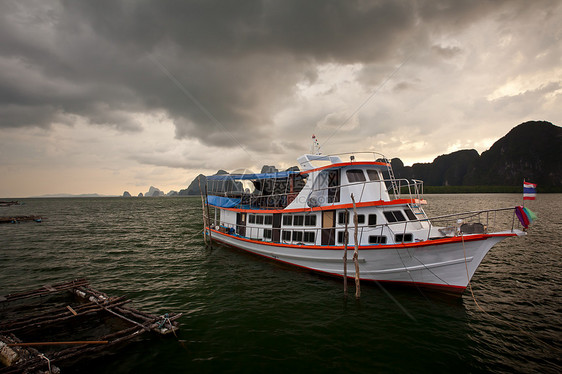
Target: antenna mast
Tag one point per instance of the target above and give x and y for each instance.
(315, 148)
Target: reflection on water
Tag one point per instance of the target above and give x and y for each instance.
(246, 314)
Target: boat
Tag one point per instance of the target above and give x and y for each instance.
(301, 216)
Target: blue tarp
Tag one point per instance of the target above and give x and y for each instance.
(222, 202)
(237, 177)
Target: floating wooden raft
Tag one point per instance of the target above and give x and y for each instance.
(18, 219)
(18, 356)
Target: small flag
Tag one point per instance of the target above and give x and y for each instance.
(526, 217)
(531, 216)
(529, 191)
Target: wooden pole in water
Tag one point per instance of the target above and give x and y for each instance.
(345, 240)
(203, 210)
(356, 252)
(208, 216)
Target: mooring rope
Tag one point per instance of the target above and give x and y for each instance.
(494, 317)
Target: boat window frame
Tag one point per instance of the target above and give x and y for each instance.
(340, 237)
(378, 176)
(309, 237)
(410, 214)
(297, 233)
(397, 216)
(267, 234)
(352, 175)
(310, 220)
(404, 237)
(342, 215)
(377, 239)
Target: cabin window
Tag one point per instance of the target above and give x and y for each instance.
(298, 220)
(259, 219)
(342, 216)
(377, 239)
(403, 238)
(310, 220)
(360, 219)
(334, 186)
(287, 220)
(286, 236)
(394, 216)
(267, 233)
(297, 236)
(268, 219)
(252, 218)
(341, 237)
(410, 214)
(309, 237)
(355, 175)
(373, 175)
(372, 220)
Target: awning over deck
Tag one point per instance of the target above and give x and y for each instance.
(222, 202)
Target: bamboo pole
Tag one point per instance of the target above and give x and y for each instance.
(345, 240)
(208, 216)
(77, 342)
(356, 252)
(203, 211)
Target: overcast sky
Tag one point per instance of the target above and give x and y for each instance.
(107, 96)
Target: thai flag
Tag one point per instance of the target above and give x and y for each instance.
(529, 191)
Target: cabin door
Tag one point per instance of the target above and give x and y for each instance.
(276, 228)
(241, 224)
(329, 227)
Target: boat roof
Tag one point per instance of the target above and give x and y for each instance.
(307, 163)
(253, 176)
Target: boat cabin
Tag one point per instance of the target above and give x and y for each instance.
(312, 205)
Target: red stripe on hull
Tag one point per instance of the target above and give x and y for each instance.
(456, 239)
(329, 207)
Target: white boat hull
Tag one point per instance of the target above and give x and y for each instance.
(447, 265)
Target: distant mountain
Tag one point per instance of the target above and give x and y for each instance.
(200, 180)
(193, 188)
(532, 150)
(154, 192)
(71, 195)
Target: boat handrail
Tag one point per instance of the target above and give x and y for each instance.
(392, 228)
(472, 213)
(414, 190)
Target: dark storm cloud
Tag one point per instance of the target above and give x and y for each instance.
(219, 69)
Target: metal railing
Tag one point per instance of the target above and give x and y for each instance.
(412, 188)
(451, 225)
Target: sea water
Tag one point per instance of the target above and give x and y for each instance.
(244, 314)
